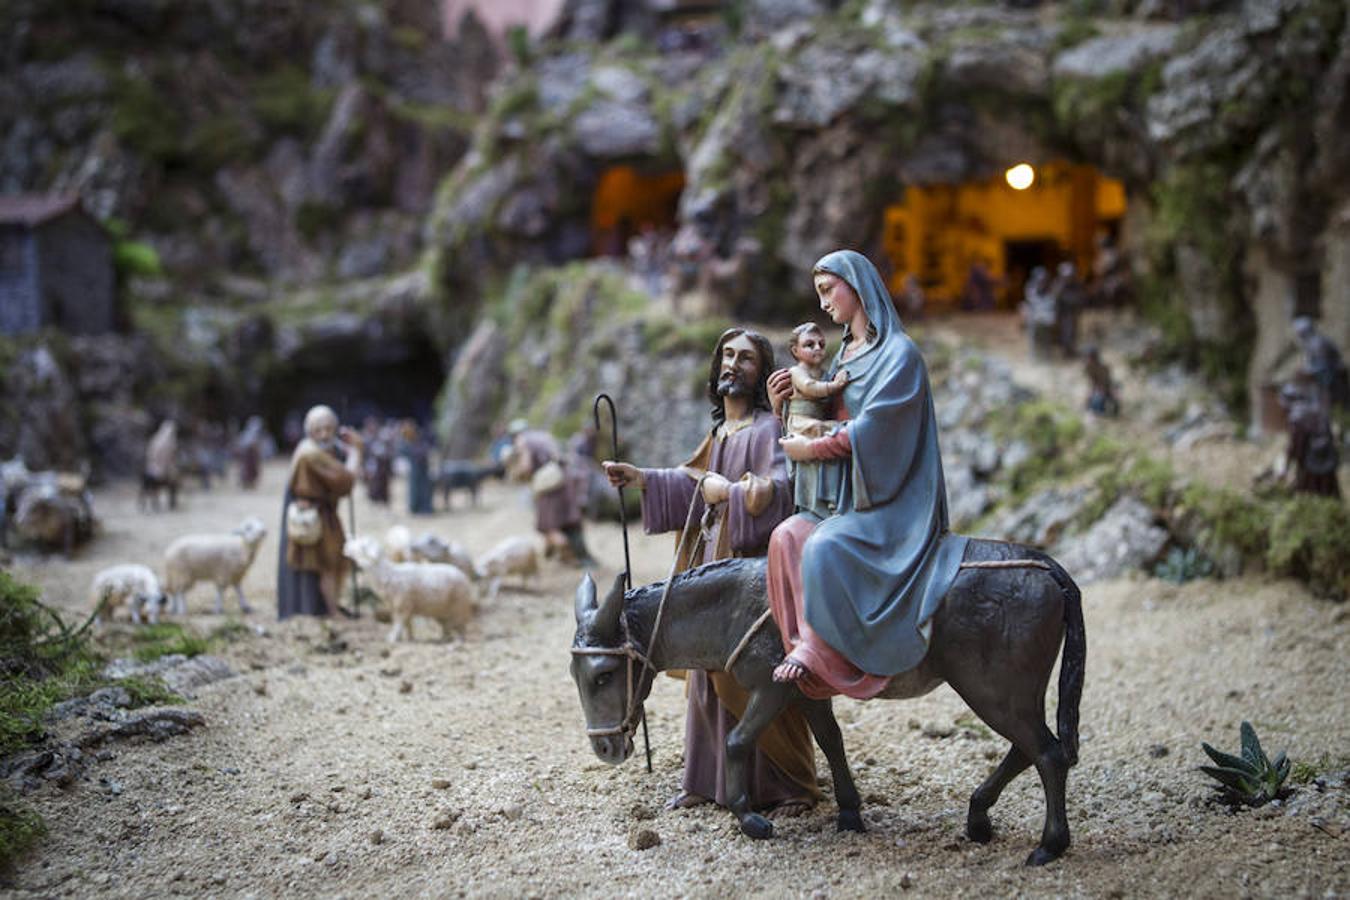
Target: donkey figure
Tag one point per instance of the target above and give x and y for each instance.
(994, 640)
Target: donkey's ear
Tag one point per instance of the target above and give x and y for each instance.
(585, 597)
(607, 616)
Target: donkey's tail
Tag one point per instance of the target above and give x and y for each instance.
(1072, 663)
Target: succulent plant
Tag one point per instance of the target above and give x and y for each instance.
(1252, 778)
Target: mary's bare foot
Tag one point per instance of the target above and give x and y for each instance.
(789, 670)
(684, 800)
(791, 808)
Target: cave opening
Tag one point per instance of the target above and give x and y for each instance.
(628, 203)
(947, 237)
(360, 376)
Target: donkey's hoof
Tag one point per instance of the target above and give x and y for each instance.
(850, 820)
(980, 831)
(756, 826)
(1040, 856)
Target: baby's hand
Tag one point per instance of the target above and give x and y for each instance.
(840, 380)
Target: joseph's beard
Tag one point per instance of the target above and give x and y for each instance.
(732, 385)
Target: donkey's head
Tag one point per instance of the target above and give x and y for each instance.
(611, 680)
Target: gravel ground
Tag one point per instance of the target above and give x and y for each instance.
(337, 765)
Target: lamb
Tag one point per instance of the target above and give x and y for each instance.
(512, 556)
(430, 548)
(222, 559)
(398, 543)
(436, 590)
(131, 584)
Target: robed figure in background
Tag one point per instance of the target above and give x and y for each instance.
(738, 485)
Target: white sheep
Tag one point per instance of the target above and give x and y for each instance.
(430, 548)
(222, 559)
(436, 590)
(398, 543)
(512, 556)
(131, 584)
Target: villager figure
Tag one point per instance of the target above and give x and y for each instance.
(537, 458)
(1101, 390)
(744, 493)
(978, 293)
(1110, 275)
(909, 304)
(413, 448)
(1039, 313)
(210, 452)
(1312, 455)
(161, 466)
(1323, 363)
(310, 576)
(809, 407)
(379, 463)
(248, 452)
(854, 581)
(589, 478)
(1068, 294)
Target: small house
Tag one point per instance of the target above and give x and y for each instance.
(56, 267)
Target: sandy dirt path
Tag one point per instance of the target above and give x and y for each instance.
(434, 769)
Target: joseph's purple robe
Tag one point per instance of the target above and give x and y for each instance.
(783, 765)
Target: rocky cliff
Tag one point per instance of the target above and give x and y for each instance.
(796, 127)
(334, 193)
(291, 139)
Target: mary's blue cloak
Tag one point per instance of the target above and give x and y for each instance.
(874, 573)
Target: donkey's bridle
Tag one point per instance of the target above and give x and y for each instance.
(632, 707)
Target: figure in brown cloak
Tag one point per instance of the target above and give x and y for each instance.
(744, 495)
(538, 458)
(309, 577)
(1101, 390)
(1312, 456)
(248, 450)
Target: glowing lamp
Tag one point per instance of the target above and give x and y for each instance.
(1020, 176)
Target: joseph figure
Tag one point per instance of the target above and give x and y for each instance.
(744, 494)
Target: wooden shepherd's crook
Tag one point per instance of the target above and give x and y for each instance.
(351, 519)
(623, 524)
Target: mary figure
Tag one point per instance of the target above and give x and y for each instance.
(855, 576)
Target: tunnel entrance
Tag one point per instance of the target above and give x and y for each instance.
(1006, 225)
(627, 203)
(358, 375)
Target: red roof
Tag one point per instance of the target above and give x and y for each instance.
(34, 209)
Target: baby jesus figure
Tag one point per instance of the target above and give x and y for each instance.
(808, 410)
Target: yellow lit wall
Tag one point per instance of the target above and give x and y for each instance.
(940, 230)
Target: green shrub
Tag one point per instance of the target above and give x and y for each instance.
(136, 258)
(1183, 565)
(166, 639)
(1309, 537)
(20, 828)
(1231, 519)
(43, 661)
